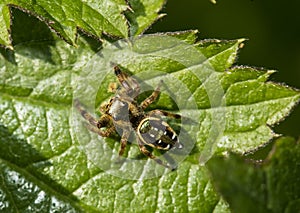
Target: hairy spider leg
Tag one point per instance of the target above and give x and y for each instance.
(130, 84)
(94, 124)
(104, 133)
(164, 113)
(102, 122)
(152, 97)
(124, 139)
(134, 109)
(87, 116)
(146, 152)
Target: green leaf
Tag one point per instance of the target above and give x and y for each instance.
(22, 192)
(272, 186)
(65, 17)
(39, 81)
(143, 14)
(22, 30)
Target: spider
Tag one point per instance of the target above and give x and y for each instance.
(123, 112)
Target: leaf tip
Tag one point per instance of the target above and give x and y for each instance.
(7, 47)
(161, 15)
(270, 72)
(241, 42)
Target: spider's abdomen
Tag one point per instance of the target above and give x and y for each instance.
(158, 134)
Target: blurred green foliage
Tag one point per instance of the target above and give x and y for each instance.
(272, 27)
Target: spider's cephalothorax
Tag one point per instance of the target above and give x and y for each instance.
(123, 112)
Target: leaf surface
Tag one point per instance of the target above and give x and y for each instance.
(143, 14)
(39, 140)
(22, 192)
(272, 186)
(64, 17)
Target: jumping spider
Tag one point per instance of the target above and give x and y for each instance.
(123, 112)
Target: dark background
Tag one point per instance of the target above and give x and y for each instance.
(272, 27)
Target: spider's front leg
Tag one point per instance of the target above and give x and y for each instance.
(103, 133)
(146, 152)
(86, 115)
(94, 124)
(131, 86)
(124, 140)
(152, 97)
